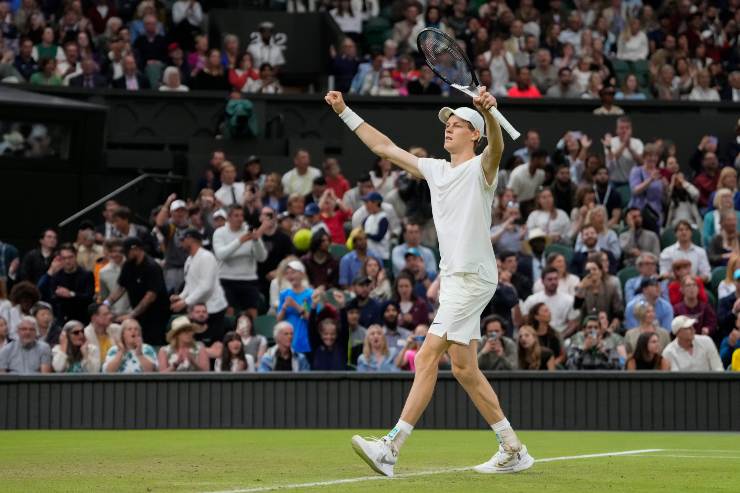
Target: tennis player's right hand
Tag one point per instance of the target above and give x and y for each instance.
(336, 101)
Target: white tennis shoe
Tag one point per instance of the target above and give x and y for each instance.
(504, 462)
(377, 453)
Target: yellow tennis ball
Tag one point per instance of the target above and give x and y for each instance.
(302, 239)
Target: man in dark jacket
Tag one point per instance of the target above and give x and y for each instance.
(67, 286)
(37, 261)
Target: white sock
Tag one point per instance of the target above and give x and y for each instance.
(399, 434)
(505, 434)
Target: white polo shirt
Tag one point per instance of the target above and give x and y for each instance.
(704, 356)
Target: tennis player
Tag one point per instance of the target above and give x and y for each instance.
(462, 191)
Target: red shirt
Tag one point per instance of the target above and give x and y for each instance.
(706, 185)
(340, 185)
(532, 92)
(335, 223)
(674, 292)
(237, 81)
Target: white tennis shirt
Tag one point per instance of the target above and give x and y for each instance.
(461, 208)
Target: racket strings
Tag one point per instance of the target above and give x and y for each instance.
(445, 57)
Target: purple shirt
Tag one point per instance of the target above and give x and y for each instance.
(652, 195)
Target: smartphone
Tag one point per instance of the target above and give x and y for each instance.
(594, 334)
(713, 140)
(419, 339)
(493, 336)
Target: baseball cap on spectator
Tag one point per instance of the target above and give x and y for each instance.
(648, 281)
(253, 159)
(372, 197)
(178, 204)
(266, 25)
(173, 47)
(311, 210)
(193, 233)
(361, 280)
(297, 265)
(412, 251)
(220, 213)
(131, 242)
(682, 322)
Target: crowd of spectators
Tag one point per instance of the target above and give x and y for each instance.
(627, 262)
(610, 50)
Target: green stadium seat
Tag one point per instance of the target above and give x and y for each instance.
(375, 31)
(627, 273)
(641, 69)
(668, 237)
(625, 193)
(338, 251)
(718, 273)
(712, 299)
(264, 324)
(565, 250)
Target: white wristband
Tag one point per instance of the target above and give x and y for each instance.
(351, 119)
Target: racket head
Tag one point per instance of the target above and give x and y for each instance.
(445, 57)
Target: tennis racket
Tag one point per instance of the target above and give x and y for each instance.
(446, 59)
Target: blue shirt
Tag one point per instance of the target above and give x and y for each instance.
(386, 365)
(350, 266)
(663, 313)
(725, 351)
(300, 324)
(633, 284)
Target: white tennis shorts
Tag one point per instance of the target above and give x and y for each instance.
(462, 298)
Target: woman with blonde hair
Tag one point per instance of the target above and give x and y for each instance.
(727, 179)
(723, 201)
(608, 240)
(645, 315)
(727, 285)
(376, 355)
(632, 45)
(130, 354)
(531, 355)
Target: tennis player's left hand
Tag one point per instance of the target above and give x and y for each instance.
(485, 100)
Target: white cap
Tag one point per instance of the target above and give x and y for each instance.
(297, 265)
(682, 322)
(178, 204)
(220, 213)
(467, 114)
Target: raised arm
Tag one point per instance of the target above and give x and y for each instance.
(377, 142)
(491, 157)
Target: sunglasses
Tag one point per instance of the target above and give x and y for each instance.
(75, 332)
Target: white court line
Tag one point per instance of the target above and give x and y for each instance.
(720, 457)
(427, 473)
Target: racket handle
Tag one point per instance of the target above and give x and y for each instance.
(501, 119)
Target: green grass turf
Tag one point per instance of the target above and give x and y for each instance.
(213, 460)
